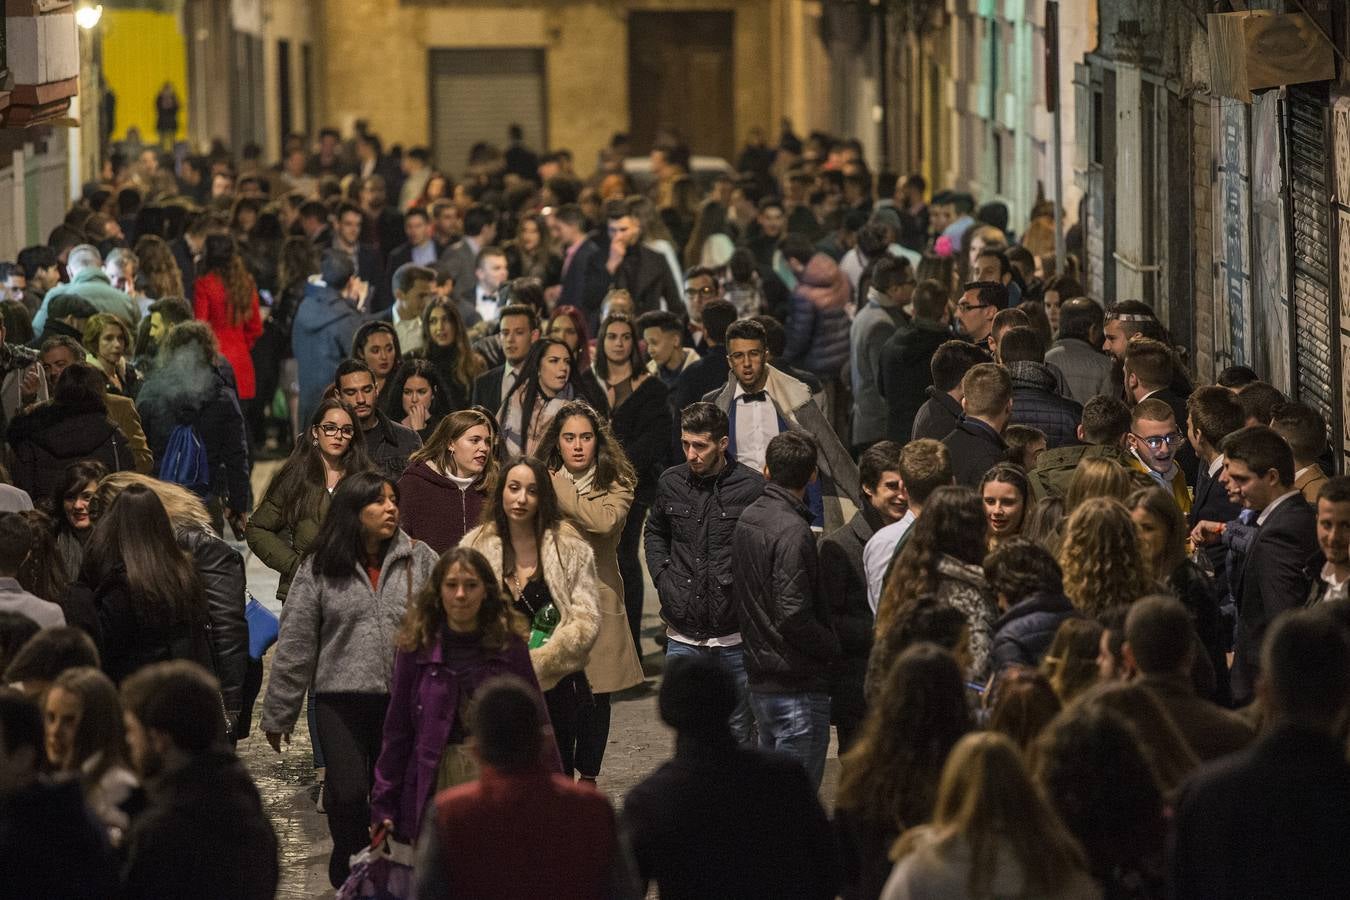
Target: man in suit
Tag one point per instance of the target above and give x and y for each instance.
(1150, 367)
(633, 267)
(1212, 414)
(187, 250)
(365, 257)
(461, 259)
(421, 248)
(976, 443)
(584, 278)
(1259, 473)
(1306, 431)
(1271, 820)
(519, 331)
(941, 412)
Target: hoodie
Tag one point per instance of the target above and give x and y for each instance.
(321, 338)
(54, 435)
(818, 324)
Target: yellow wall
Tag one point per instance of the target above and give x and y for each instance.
(143, 49)
(380, 74)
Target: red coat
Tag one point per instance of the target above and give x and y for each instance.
(532, 834)
(236, 339)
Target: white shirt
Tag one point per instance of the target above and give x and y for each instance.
(756, 425)
(1336, 590)
(409, 331)
(877, 554)
(424, 254)
(485, 304)
(1270, 507)
(1217, 465)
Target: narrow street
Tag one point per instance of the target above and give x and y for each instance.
(638, 743)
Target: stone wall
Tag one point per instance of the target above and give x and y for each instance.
(373, 62)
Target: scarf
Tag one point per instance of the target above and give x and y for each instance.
(583, 481)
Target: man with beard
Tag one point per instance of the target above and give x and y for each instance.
(388, 443)
(203, 833)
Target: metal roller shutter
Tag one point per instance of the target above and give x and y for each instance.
(1315, 363)
(477, 94)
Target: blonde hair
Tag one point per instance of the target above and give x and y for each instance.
(1071, 661)
(1096, 476)
(987, 798)
(185, 508)
(987, 388)
(1099, 554)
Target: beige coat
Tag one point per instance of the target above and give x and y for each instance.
(569, 571)
(599, 515)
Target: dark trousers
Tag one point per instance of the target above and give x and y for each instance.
(630, 569)
(592, 736)
(567, 702)
(351, 727)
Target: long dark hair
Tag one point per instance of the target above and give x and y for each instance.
(135, 532)
(527, 382)
(339, 547)
(457, 362)
(442, 404)
(497, 619)
(42, 574)
(890, 777)
(300, 484)
(952, 522)
(220, 255)
(363, 335)
(547, 516)
(75, 477)
(582, 357)
(101, 735)
(612, 467)
(634, 353)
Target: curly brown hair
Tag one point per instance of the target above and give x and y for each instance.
(952, 518)
(425, 616)
(611, 463)
(1099, 554)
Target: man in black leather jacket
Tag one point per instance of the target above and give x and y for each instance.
(688, 546)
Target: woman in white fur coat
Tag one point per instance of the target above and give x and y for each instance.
(548, 569)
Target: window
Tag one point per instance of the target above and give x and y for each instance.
(1098, 128)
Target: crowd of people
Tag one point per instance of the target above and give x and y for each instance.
(1080, 625)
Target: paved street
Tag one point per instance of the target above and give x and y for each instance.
(638, 743)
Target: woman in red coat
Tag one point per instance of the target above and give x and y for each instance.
(226, 298)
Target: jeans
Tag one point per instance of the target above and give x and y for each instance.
(795, 724)
(352, 729)
(733, 658)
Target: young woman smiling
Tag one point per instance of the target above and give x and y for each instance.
(445, 485)
(594, 484)
(1007, 499)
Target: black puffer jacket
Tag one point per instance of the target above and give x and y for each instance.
(688, 546)
(55, 435)
(1037, 404)
(221, 570)
(1023, 634)
(785, 618)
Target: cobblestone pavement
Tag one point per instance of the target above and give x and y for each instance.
(638, 743)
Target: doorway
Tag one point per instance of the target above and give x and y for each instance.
(681, 79)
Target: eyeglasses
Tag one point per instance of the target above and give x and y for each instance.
(970, 307)
(741, 356)
(331, 430)
(1157, 441)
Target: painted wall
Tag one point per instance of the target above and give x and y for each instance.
(380, 74)
(142, 49)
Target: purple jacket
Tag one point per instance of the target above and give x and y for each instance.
(423, 703)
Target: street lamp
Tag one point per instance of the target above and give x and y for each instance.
(88, 17)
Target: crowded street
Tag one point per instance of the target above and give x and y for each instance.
(606, 451)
